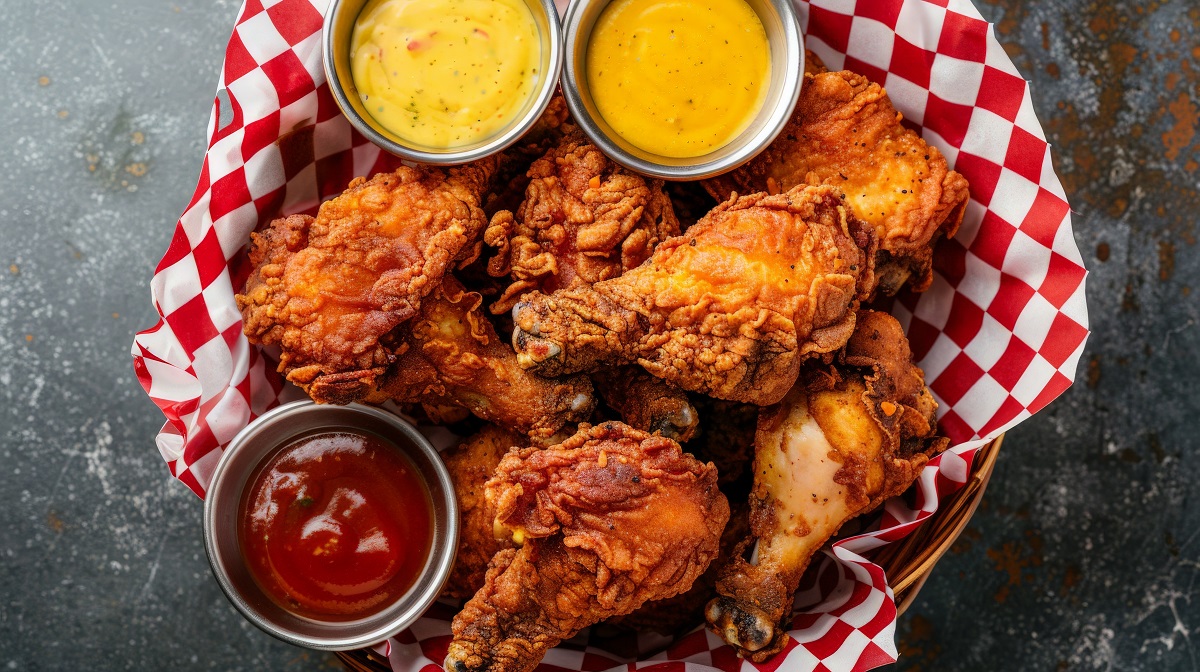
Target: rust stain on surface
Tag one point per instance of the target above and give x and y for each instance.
(1184, 130)
(1166, 260)
(1017, 559)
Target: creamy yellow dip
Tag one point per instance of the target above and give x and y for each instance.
(678, 78)
(445, 73)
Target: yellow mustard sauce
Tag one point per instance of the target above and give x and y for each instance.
(678, 78)
(445, 73)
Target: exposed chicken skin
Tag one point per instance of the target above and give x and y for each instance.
(451, 354)
(730, 308)
(845, 439)
(608, 520)
(583, 219)
(647, 403)
(846, 133)
(328, 290)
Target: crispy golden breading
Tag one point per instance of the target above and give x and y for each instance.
(583, 219)
(328, 290)
(846, 133)
(451, 354)
(647, 403)
(608, 520)
(731, 308)
(845, 439)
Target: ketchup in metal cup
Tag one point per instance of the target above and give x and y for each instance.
(336, 525)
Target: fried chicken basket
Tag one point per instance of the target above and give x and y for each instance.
(998, 334)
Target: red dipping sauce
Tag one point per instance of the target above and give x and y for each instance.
(336, 525)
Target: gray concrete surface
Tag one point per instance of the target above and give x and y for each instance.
(1084, 555)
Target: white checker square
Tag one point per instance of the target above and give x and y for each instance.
(955, 80)
(255, 94)
(980, 403)
(997, 58)
(838, 6)
(177, 284)
(203, 468)
(949, 151)
(1027, 117)
(222, 309)
(939, 357)
(225, 156)
(233, 230)
(261, 38)
(264, 172)
(1064, 243)
(954, 467)
(986, 132)
(981, 282)
(834, 60)
(228, 416)
(1076, 306)
(920, 23)
(309, 52)
(213, 364)
(1049, 180)
(964, 7)
(331, 137)
(301, 190)
(572, 660)
(171, 382)
(365, 156)
(299, 114)
(1013, 195)
(986, 348)
(1027, 259)
(427, 628)
(871, 42)
(1033, 381)
(863, 544)
(972, 220)
(853, 645)
(799, 658)
(169, 442)
(1034, 322)
(933, 306)
(902, 314)
(909, 98)
(867, 611)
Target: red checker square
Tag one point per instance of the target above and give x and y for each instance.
(857, 596)
(1064, 338)
(830, 27)
(776, 662)
(201, 184)
(253, 8)
(267, 206)
(1010, 300)
(966, 321)
(953, 426)
(1045, 216)
(871, 658)
(1062, 280)
(296, 151)
(831, 641)
(1012, 364)
(260, 134)
(434, 648)
(178, 249)
(950, 259)
(192, 324)
(690, 645)
(883, 12)
(805, 620)
(326, 106)
(939, 3)
(911, 62)
(289, 76)
(1026, 152)
(963, 37)
(295, 20)
(1001, 93)
(231, 336)
(1057, 385)
(334, 172)
(957, 379)
(593, 662)
(982, 174)
(881, 620)
(238, 60)
(726, 659)
(947, 119)
(1007, 411)
(921, 337)
(871, 72)
(992, 241)
(200, 442)
(187, 479)
(228, 194)
(209, 258)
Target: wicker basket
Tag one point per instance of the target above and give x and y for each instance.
(907, 563)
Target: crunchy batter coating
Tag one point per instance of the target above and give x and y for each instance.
(584, 219)
(647, 403)
(846, 133)
(328, 290)
(608, 520)
(845, 439)
(450, 354)
(730, 308)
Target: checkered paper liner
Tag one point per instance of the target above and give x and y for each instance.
(998, 334)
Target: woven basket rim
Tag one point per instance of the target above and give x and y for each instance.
(907, 563)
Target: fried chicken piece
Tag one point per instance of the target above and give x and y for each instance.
(813, 65)
(471, 464)
(845, 439)
(511, 181)
(451, 354)
(647, 403)
(328, 290)
(608, 520)
(584, 219)
(846, 133)
(730, 308)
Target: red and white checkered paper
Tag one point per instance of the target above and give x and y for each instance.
(998, 334)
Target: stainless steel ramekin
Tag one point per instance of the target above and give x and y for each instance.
(339, 25)
(787, 73)
(232, 476)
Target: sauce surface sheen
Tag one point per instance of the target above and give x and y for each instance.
(678, 78)
(336, 525)
(445, 73)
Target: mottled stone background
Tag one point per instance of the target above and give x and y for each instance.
(1083, 555)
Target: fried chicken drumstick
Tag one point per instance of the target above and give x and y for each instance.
(846, 133)
(647, 403)
(450, 354)
(845, 439)
(609, 519)
(730, 308)
(328, 290)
